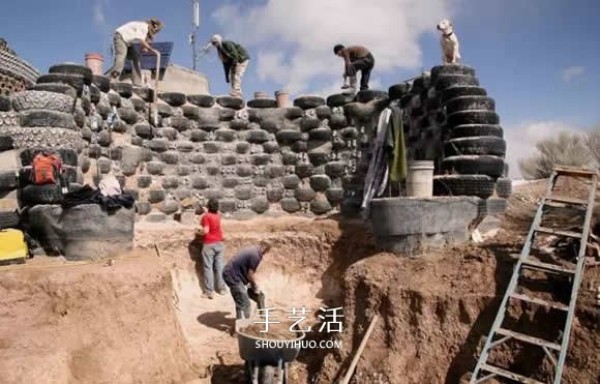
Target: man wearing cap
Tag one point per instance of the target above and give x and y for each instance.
(235, 60)
(133, 32)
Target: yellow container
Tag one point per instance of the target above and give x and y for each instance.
(13, 248)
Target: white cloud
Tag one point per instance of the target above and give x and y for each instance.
(521, 140)
(571, 73)
(293, 40)
(98, 13)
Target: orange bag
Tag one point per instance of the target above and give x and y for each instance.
(46, 169)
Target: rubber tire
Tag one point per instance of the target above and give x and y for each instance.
(474, 165)
(123, 89)
(257, 136)
(75, 81)
(465, 185)
(471, 130)
(309, 102)
(41, 194)
(370, 95)
(262, 103)
(235, 103)
(289, 204)
(9, 219)
(320, 134)
(203, 101)
(174, 99)
(102, 82)
(470, 103)
(478, 145)
(451, 69)
(472, 117)
(6, 143)
(504, 187)
(73, 69)
(5, 103)
(447, 81)
(462, 90)
(340, 99)
(8, 181)
(396, 91)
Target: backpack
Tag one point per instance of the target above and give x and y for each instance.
(46, 169)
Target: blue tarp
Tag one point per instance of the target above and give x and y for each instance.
(148, 60)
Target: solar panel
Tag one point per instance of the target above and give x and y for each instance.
(148, 60)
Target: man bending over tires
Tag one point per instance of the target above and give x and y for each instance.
(127, 34)
(356, 58)
(235, 61)
(240, 272)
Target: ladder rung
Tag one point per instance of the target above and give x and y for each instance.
(531, 264)
(565, 200)
(571, 171)
(560, 307)
(528, 339)
(550, 231)
(509, 375)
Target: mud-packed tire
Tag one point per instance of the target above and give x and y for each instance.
(446, 81)
(471, 130)
(262, 103)
(451, 69)
(504, 187)
(308, 102)
(8, 181)
(235, 103)
(73, 69)
(473, 117)
(41, 194)
(123, 89)
(102, 82)
(470, 103)
(75, 81)
(174, 99)
(463, 185)
(474, 165)
(478, 145)
(369, 95)
(9, 219)
(42, 100)
(340, 99)
(320, 134)
(202, 101)
(462, 90)
(396, 91)
(42, 118)
(289, 204)
(6, 143)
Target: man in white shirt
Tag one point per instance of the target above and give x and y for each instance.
(133, 32)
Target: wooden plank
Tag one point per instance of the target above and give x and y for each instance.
(566, 200)
(572, 171)
(545, 267)
(555, 232)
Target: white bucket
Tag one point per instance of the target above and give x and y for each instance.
(419, 180)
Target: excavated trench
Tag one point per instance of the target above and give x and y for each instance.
(142, 319)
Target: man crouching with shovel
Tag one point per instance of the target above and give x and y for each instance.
(240, 272)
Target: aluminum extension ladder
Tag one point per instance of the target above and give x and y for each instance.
(483, 367)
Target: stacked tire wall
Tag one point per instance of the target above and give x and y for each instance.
(255, 158)
(450, 119)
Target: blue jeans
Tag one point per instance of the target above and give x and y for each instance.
(212, 260)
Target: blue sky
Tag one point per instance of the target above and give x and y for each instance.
(540, 59)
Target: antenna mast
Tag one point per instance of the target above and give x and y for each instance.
(196, 26)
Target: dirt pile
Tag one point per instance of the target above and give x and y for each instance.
(90, 324)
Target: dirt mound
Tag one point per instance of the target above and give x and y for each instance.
(90, 323)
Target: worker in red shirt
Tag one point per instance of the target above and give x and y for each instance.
(212, 250)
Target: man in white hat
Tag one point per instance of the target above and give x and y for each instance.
(127, 34)
(235, 60)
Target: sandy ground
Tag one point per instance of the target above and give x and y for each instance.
(141, 317)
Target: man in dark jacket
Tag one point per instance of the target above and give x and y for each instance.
(235, 60)
(240, 272)
(356, 58)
